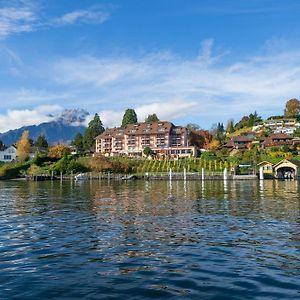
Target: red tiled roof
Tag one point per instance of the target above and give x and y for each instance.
(150, 128)
(111, 132)
(278, 139)
(240, 138)
(280, 136)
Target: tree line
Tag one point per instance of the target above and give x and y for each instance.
(201, 138)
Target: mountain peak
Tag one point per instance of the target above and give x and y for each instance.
(62, 128)
(74, 117)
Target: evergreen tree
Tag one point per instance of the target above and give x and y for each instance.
(95, 127)
(230, 126)
(220, 133)
(2, 146)
(253, 119)
(129, 117)
(152, 118)
(41, 142)
(78, 142)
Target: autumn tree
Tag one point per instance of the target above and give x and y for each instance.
(23, 146)
(129, 117)
(95, 127)
(292, 108)
(33, 170)
(100, 164)
(214, 145)
(196, 139)
(58, 151)
(41, 142)
(152, 118)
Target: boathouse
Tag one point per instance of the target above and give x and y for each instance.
(267, 167)
(287, 169)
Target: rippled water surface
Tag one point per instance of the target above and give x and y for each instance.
(146, 240)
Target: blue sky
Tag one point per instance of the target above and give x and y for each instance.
(199, 61)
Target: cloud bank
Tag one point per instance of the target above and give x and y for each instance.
(170, 85)
(207, 88)
(18, 118)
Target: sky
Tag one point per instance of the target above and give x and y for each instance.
(188, 61)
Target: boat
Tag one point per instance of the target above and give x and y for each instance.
(81, 176)
(129, 177)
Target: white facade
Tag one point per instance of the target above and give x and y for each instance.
(280, 123)
(286, 130)
(287, 126)
(9, 154)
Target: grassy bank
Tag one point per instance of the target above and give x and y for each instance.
(67, 164)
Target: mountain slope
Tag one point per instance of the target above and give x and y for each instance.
(62, 129)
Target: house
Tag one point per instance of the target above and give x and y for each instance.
(280, 122)
(8, 154)
(287, 169)
(267, 167)
(239, 142)
(286, 130)
(163, 138)
(282, 125)
(277, 140)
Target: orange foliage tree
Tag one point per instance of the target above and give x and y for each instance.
(58, 151)
(23, 146)
(292, 108)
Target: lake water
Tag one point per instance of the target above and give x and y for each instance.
(150, 240)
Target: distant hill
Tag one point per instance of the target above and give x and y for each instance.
(61, 130)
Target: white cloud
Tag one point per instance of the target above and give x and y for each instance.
(204, 89)
(20, 16)
(16, 20)
(18, 118)
(165, 111)
(214, 88)
(111, 118)
(92, 15)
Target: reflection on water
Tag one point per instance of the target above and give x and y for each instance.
(185, 240)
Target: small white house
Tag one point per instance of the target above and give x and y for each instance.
(9, 154)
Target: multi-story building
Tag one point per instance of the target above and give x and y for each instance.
(284, 122)
(239, 142)
(281, 125)
(277, 140)
(163, 138)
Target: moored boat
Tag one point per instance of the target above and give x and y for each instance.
(81, 176)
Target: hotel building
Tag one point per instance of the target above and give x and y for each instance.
(164, 138)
